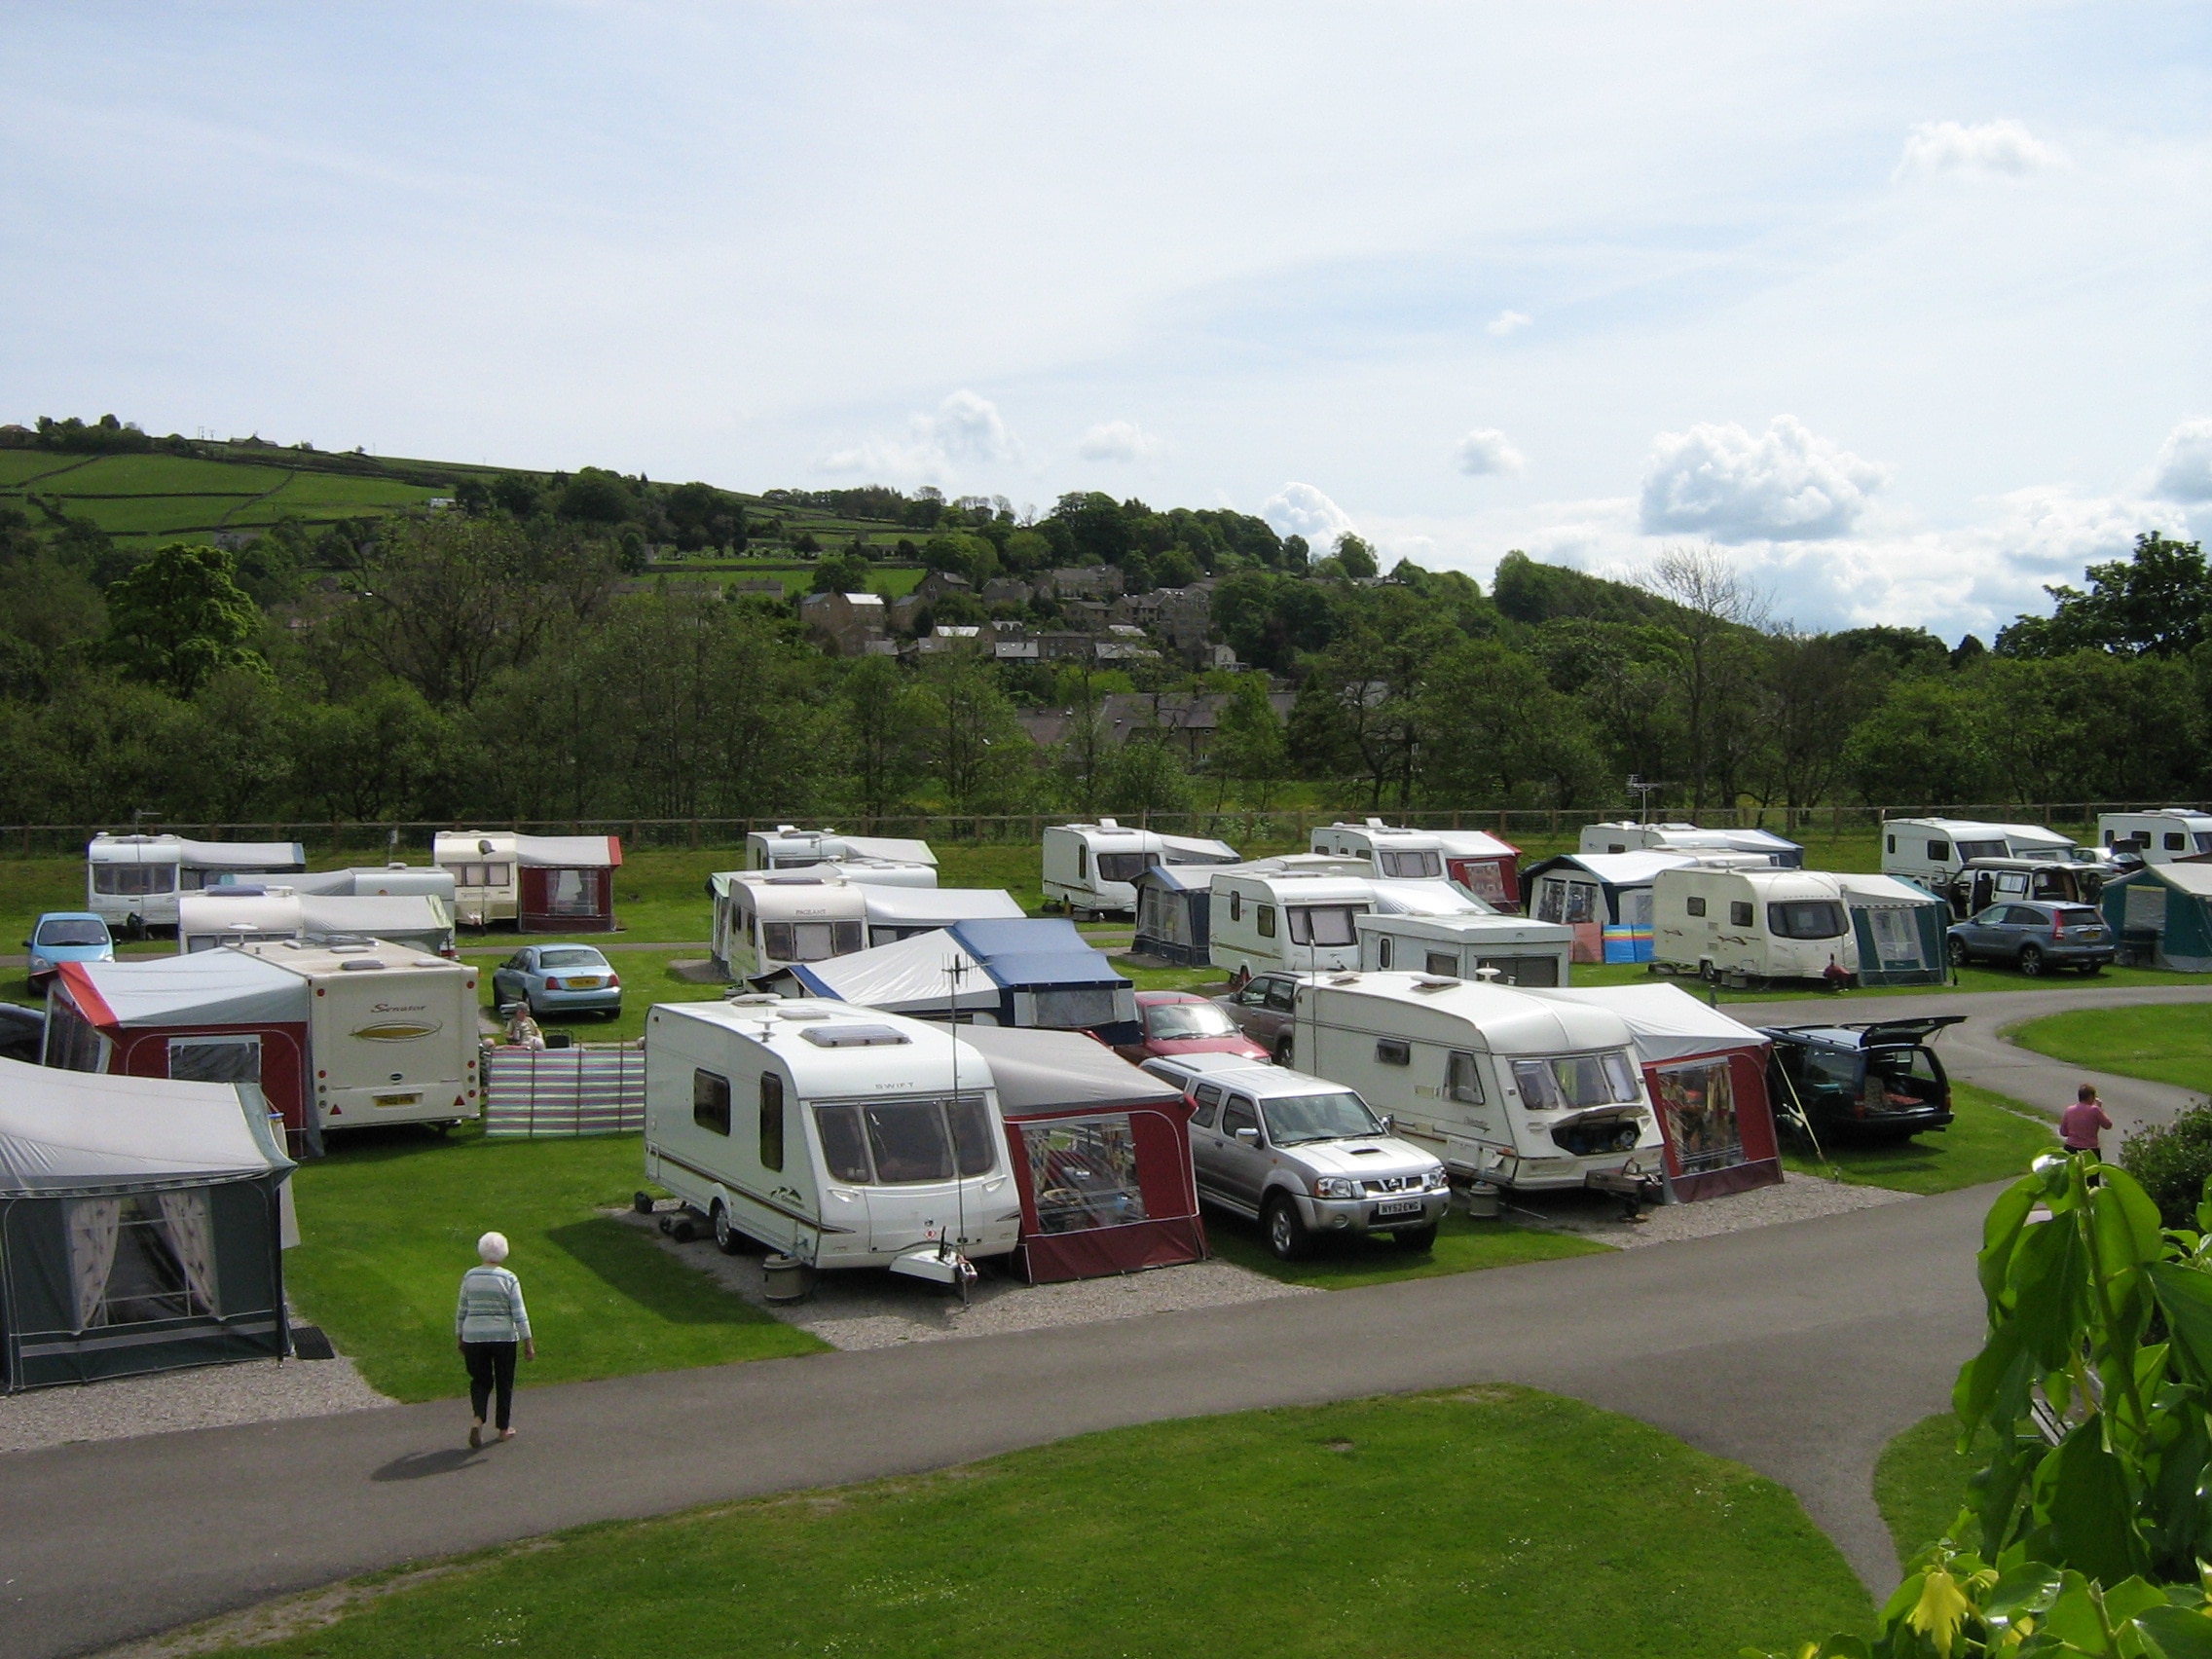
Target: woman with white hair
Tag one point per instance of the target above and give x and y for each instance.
(489, 1325)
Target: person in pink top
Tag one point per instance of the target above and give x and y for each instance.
(2079, 1129)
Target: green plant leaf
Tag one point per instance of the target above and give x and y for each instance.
(2000, 1233)
(2028, 1588)
(2180, 1633)
(2084, 1497)
(2184, 1296)
(2073, 1618)
(2128, 1598)
(2050, 1292)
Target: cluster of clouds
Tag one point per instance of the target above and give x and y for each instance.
(965, 431)
(1781, 485)
(1989, 149)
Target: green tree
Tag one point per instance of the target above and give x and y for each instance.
(2159, 599)
(1249, 746)
(1355, 556)
(877, 713)
(371, 757)
(1492, 729)
(978, 753)
(179, 619)
(1145, 774)
(844, 573)
(597, 497)
(1922, 746)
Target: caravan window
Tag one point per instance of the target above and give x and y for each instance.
(771, 1121)
(899, 1142)
(2176, 841)
(844, 1149)
(1076, 1008)
(1981, 850)
(141, 1257)
(809, 941)
(1939, 852)
(1462, 1080)
(1563, 901)
(1695, 904)
(1805, 918)
(1322, 924)
(1522, 969)
(709, 1101)
(1125, 866)
(134, 879)
(72, 1044)
(1443, 964)
(1740, 913)
(1575, 1080)
(907, 1141)
(479, 874)
(574, 893)
(1382, 951)
(1236, 906)
(1393, 1052)
(215, 1059)
(1409, 866)
(1264, 918)
(1892, 842)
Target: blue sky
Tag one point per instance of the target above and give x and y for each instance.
(1903, 308)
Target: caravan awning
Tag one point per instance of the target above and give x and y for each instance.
(938, 906)
(1197, 849)
(569, 852)
(917, 974)
(210, 988)
(1869, 891)
(77, 1132)
(1059, 1071)
(1666, 1021)
(1039, 951)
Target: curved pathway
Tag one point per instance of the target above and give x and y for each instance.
(1798, 1349)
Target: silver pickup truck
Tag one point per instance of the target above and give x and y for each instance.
(1304, 1157)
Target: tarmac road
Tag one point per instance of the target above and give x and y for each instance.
(1797, 1349)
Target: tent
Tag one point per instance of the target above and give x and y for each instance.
(566, 883)
(141, 1226)
(2162, 917)
(1174, 912)
(1605, 896)
(1900, 928)
(1101, 1153)
(212, 1016)
(1706, 1074)
(1028, 973)
(895, 913)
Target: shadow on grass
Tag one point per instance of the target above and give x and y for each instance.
(1346, 1263)
(639, 1270)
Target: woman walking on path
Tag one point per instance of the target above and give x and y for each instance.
(2083, 1121)
(489, 1324)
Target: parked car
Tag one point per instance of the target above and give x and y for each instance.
(66, 936)
(1182, 1022)
(1877, 1081)
(1263, 1011)
(2033, 936)
(1303, 1157)
(558, 979)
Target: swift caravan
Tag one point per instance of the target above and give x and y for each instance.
(841, 1136)
(1766, 924)
(379, 881)
(245, 916)
(1091, 867)
(1633, 837)
(137, 877)
(1292, 921)
(1515, 950)
(787, 847)
(1936, 851)
(2157, 837)
(1480, 866)
(764, 920)
(1511, 1088)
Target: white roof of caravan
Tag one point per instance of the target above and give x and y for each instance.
(1300, 887)
(1630, 869)
(1110, 829)
(215, 911)
(889, 848)
(929, 1062)
(786, 898)
(1424, 897)
(1401, 838)
(2036, 835)
(206, 854)
(209, 987)
(371, 879)
(1770, 878)
(567, 852)
(1666, 1022)
(2180, 814)
(1200, 849)
(295, 957)
(1883, 889)
(67, 1131)
(1971, 827)
(936, 907)
(1511, 1022)
(466, 844)
(1475, 925)
(1474, 843)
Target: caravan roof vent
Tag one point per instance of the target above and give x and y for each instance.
(1377, 824)
(802, 1014)
(1108, 824)
(1431, 982)
(367, 965)
(1345, 980)
(349, 945)
(755, 998)
(854, 1036)
(794, 881)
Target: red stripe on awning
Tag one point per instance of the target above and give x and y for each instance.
(86, 995)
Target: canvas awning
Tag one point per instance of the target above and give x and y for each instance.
(210, 988)
(569, 852)
(938, 906)
(1666, 1022)
(66, 1132)
(1060, 1071)
(917, 974)
(1866, 891)
(1196, 849)
(1036, 951)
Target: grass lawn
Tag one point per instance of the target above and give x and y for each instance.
(1991, 1138)
(1463, 1246)
(1492, 1520)
(1920, 1482)
(2162, 1045)
(390, 1222)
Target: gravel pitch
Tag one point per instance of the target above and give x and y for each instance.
(875, 1308)
(1799, 1198)
(208, 1397)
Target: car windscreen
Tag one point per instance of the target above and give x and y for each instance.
(1575, 1082)
(1177, 1022)
(73, 933)
(572, 956)
(1294, 1119)
(1125, 866)
(1805, 918)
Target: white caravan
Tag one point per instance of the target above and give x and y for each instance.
(1513, 1087)
(248, 916)
(484, 865)
(392, 1033)
(1521, 951)
(1932, 851)
(1773, 923)
(1288, 921)
(764, 919)
(1414, 854)
(895, 913)
(787, 847)
(1090, 868)
(2157, 837)
(380, 881)
(1633, 837)
(141, 876)
(842, 1136)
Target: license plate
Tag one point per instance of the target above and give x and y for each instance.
(399, 1100)
(591, 982)
(1398, 1206)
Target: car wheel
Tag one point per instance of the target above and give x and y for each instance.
(1960, 957)
(2031, 960)
(1283, 1050)
(1287, 1237)
(726, 1237)
(2091, 968)
(1419, 1239)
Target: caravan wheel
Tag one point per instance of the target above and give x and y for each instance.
(727, 1239)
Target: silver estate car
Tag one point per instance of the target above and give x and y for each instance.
(1303, 1157)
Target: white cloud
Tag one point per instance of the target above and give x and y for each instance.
(1300, 509)
(1508, 322)
(1118, 440)
(1785, 485)
(1487, 451)
(2183, 472)
(1990, 149)
(965, 429)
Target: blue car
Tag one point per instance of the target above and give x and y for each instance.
(558, 979)
(66, 936)
(2034, 937)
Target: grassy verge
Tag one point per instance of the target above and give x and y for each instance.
(2161, 1044)
(390, 1222)
(1991, 1139)
(1485, 1521)
(1920, 1482)
(1462, 1246)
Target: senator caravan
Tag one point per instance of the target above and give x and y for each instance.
(1288, 921)
(764, 919)
(2157, 837)
(1515, 950)
(1768, 924)
(1513, 1087)
(842, 1136)
(139, 876)
(1631, 837)
(1478, 865)
(787, 847)
(1091, 867)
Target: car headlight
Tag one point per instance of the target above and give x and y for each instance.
(1436, 1180)
(1625, 1137)
(1335, 1187)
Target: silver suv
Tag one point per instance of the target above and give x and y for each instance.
(1302, 1156)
